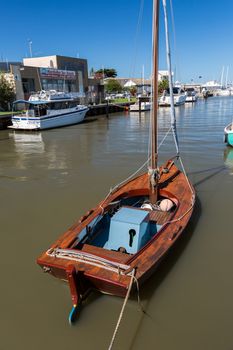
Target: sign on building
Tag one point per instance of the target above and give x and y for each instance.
(57, 73)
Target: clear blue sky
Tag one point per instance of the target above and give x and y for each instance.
(105, 32)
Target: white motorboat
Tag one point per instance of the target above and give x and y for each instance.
(145, 106)
(191, 95)
(222, 92)
(178, 96)
(48, 109)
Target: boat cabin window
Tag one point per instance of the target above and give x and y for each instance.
(39, 110)
(73, 104)
(59, 105)
(176, 90)
(55, 105)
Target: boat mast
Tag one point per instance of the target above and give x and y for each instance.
(227, 76)
(154, 131)
(223, 68)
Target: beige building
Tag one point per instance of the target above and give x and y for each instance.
(59, 73)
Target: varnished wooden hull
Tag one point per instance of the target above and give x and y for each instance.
(172, 184)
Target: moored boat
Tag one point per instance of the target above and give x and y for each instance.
(191, 95)
(121, 241)
(48, 109)
(222, 92)
(179, 97)
(136, 107)
(228, 134)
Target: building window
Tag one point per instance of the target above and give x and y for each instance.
(59, 85)
(28, 85)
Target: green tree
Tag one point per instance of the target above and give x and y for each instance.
(107, 72)
(7, 94)
(112, 85)
(133, 90)
(163, 85)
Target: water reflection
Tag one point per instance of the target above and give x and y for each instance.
(28, 143)
(228, 158)
(34, 149)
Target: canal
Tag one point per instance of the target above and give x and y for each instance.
(49, 179)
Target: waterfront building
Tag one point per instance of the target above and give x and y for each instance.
(56, 72)
(142, 85)
(163, 75)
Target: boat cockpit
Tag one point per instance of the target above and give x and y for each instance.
(127, 226)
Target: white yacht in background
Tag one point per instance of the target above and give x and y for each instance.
(48, 109)
(222, 92)
(178, 94)
(145, 106)
(191, 95)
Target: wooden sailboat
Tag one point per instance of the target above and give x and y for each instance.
(126, 235)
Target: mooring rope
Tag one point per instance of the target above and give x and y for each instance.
(138, 294)
(122, 310)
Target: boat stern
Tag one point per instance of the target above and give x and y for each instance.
(25, 123)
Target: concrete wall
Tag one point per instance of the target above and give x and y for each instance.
(17, 82)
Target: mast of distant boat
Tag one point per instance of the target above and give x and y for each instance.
(227, 76)
(143, 79)
(153, 172)
(223, 68)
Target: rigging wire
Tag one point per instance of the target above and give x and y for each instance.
(135, 49)
(173, 116)
(172, 109)
(171, 129)
(175, 42)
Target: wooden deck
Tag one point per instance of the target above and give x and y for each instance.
(160, 216)
(104, 253)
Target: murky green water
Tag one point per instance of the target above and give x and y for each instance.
(49, 179)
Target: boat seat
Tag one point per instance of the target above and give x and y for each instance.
(161, 217)
(104, 253)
